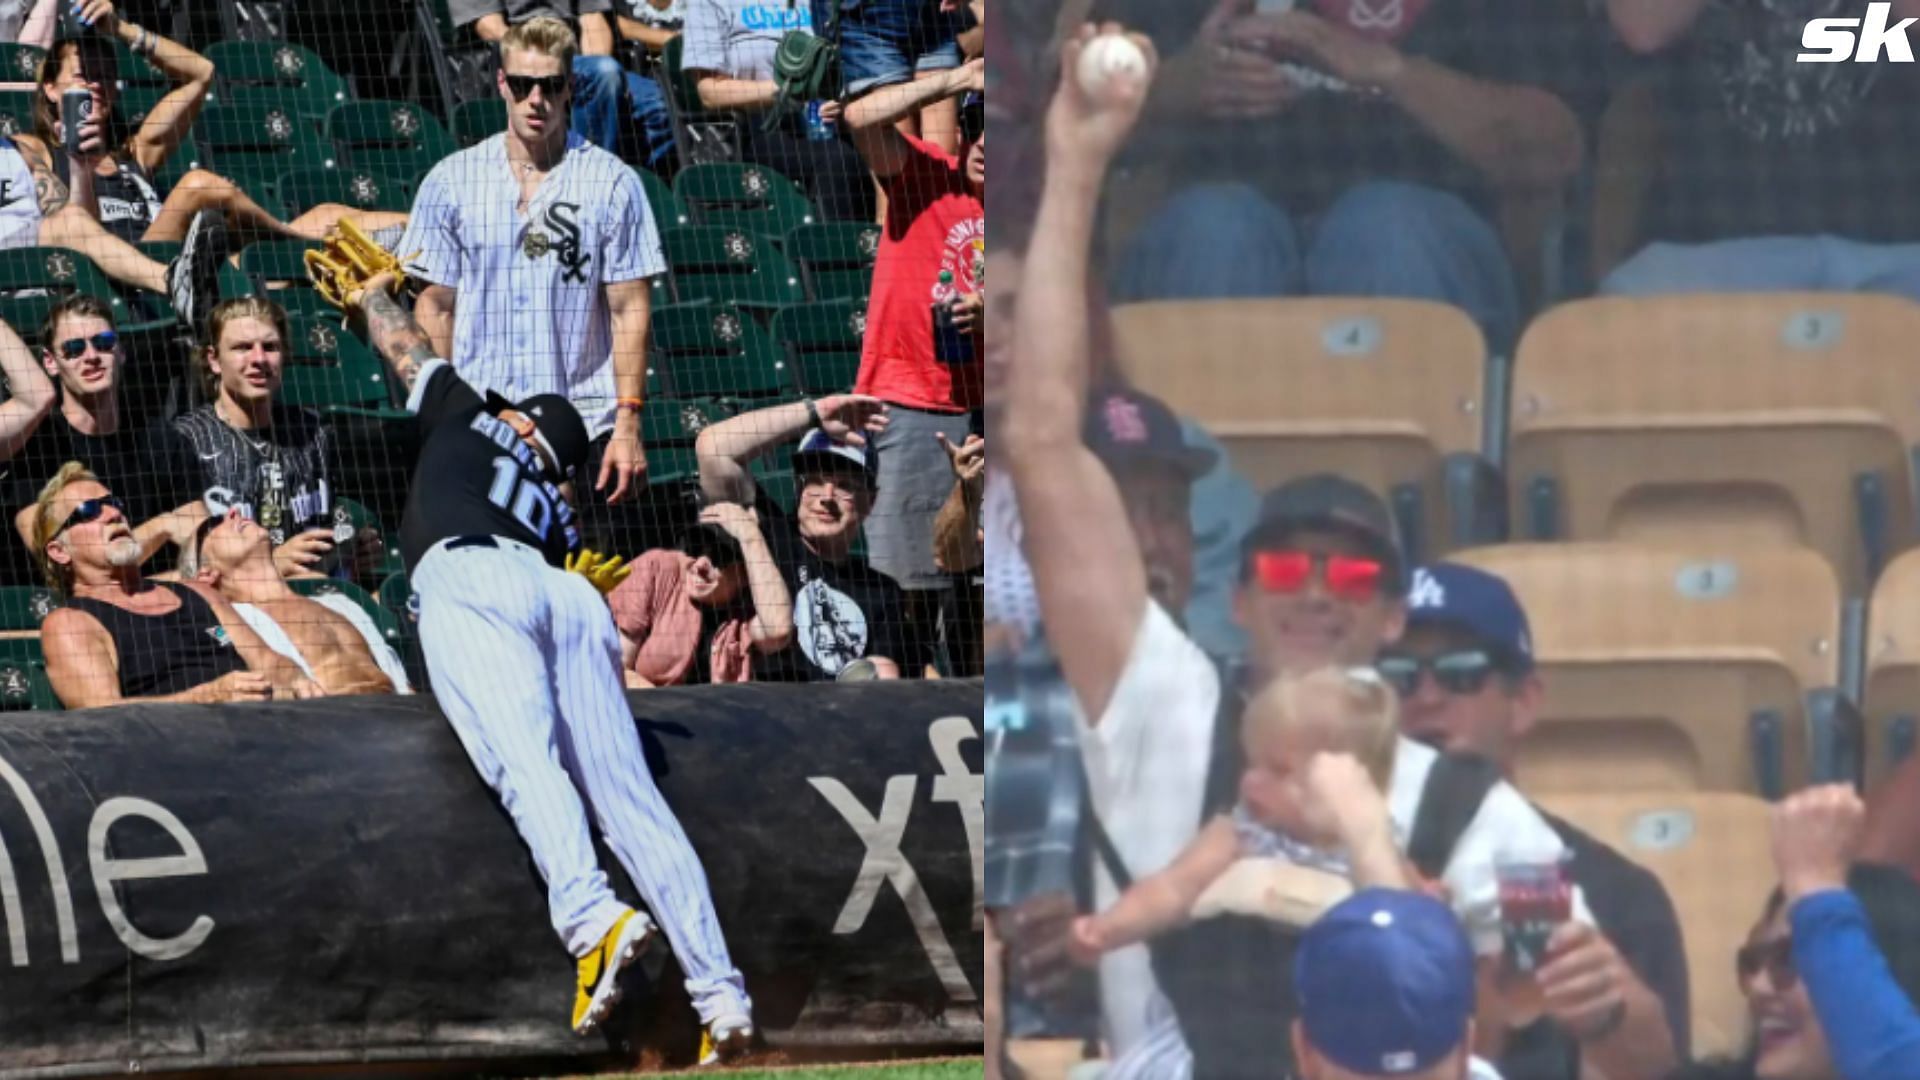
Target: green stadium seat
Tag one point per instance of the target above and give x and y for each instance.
(475, 121)
(301, 190)
(677, 421)
(16, 112)
(253, 144)
(730, 265)
(277, 269)
(835, 258)
(823, 342)
(713, 350)
(23, 677)
(314, 588)
(394, 137)
(277, 74)
(668, 211)
(329, 369)
(23, 607)
(33, 279)
(396, 595)
(20, 63)
(751, 197)
(671, 468)
(776, 481)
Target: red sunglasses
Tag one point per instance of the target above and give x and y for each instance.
(1348, 577)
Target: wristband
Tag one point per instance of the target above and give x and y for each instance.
(813, 414)
(634, 403)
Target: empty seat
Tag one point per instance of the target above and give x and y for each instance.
(823, 342)
(16, 112)
(668, 211)
(397, 138)
(24, 607)
(20, 63)
(729, 264)
(1711, 852)
(278, 269)
(715, 351)
(1388, 392)
(739, 196)
(253, 143)
(1782, 418)
(301, 190)
(835, 258)
(1893, 664)
(279, 74)
(1668, 671)
(327, 368)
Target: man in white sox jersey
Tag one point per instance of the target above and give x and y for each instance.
(525, 661)
(536, 247)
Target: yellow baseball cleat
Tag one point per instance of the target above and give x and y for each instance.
(726, 1040)
(600, 969)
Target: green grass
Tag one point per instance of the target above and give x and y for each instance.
(942, 1070)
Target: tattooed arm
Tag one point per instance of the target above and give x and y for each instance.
(48, 188)
(393, 332)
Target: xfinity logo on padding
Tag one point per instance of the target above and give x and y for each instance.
(1833, 41)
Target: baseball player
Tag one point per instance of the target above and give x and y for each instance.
(535, 247)
(525, 659)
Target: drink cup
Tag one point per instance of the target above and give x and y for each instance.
(1536, 897)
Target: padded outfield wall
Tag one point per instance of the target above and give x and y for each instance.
(329, 881)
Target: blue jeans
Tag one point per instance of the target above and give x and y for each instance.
(1769, 264)
(1379, 238)
(883, 42)
(601, 87)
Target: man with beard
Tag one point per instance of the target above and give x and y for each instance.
(121, 637)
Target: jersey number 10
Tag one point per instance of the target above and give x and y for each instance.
(520, 497)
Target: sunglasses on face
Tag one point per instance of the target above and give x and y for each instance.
(550, 86)
(103, 342)
(1348, 577)
(1774, 957)
(1463, 672)
(90, 510)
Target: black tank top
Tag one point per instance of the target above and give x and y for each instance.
(129, 203)
(165, 654)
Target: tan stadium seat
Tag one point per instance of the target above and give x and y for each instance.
(1715, 418)
(1711, 852)
(1668, 671)
(1893, 664)
(1379, 390)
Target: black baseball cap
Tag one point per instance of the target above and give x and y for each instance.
(1127, 427)
(973, 116)
(714, 542)
(1327, 502)
(557, 422)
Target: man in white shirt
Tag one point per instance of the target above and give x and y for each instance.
(1323, 582)
(536, 247)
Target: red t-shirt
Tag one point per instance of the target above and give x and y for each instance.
(934, 223)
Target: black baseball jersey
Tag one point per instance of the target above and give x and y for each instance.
(476, 478)
(284, 477)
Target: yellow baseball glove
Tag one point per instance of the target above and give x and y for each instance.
(603, 572)
(346, 261)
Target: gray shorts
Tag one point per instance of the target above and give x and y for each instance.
(915, 480)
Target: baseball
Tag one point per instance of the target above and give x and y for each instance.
(1106, 58)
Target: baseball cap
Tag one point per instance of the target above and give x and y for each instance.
(819, 451)
(1125, 426)
(1449, 594)
(1385, 981)
(557, 422)
(1326, 501)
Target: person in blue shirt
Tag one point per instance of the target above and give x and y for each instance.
(1832, 970)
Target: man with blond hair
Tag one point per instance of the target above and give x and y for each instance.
(535, 247)
(121, 637)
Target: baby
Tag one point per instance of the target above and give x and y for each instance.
(1319, 751)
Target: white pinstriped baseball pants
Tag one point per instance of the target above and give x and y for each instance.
(525, 663)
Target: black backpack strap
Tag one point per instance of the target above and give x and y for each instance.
(1227, 760)
(1095, 830)
(1451, 797)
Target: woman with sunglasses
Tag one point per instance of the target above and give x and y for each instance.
(126, 199)
(1832, 970)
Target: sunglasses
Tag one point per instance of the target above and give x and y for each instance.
(90, 510)
(74, 348)
(1463, 672)
(1774, 957)
(1346, 576)
(550, 86)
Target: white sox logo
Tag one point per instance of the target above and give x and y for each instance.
(884, 863)
(561, 222)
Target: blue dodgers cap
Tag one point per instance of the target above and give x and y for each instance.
(1385, 981)
(1473, 600)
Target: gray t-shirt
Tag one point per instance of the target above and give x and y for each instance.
(519, 11)
(738, 38)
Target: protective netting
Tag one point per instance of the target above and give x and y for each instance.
(693, 222)
(1546, 362)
